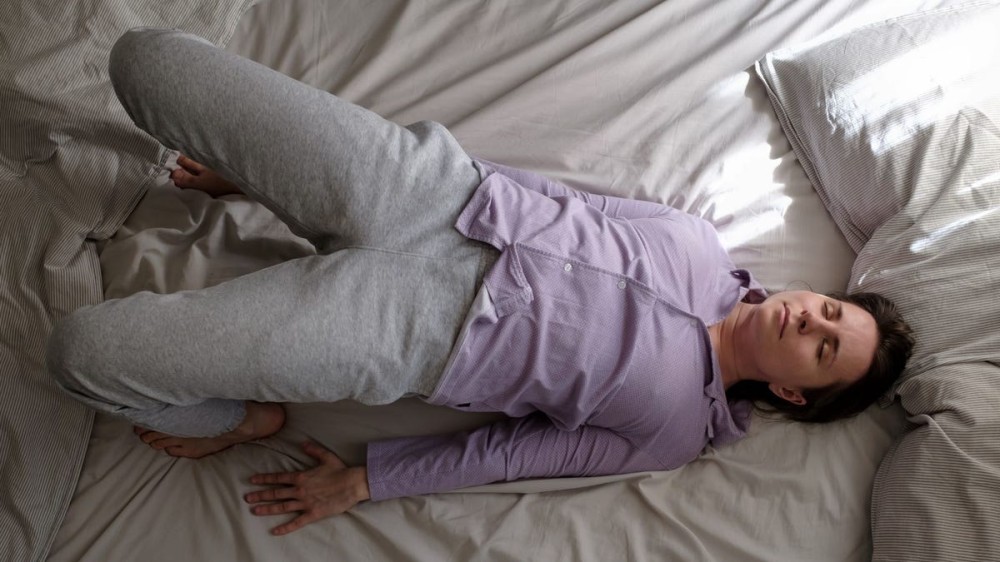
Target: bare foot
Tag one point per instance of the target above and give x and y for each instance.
(262, 419)
(192, 175)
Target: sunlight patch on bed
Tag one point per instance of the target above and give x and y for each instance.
(750, 193)
(740, 234)
(729, 87)
(925, 243)
(957, 81)
(994, 177)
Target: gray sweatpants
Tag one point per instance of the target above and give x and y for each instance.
(373, 317)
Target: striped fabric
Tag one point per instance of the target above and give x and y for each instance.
(897, 125)
(72, 166)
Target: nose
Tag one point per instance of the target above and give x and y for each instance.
(812, 323)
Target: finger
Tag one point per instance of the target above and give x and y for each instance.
(295, 524)
(278, 508)
(274, 478)
(190, 164)
(139, 430)
(274, 494)
(322, 454)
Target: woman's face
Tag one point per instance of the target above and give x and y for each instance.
(799, 339)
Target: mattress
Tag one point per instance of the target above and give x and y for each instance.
(641, 99)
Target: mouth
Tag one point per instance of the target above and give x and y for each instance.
(783, 320)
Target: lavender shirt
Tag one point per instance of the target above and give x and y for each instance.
(597, 344)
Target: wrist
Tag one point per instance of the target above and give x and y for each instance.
(360, 479)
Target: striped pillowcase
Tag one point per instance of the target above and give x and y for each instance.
(72, 167)
(897, 124)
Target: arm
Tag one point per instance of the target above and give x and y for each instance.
(615, 207)
(529, 447)
(518, 448)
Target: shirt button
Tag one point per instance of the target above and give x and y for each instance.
(621, 284)
(568, 267)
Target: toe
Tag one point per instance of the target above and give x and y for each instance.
(161, 444)
(151, 436)
(192, 450)
(190, 164)
(182, 178)
(180, 451)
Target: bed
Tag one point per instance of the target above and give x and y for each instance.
(673, 102)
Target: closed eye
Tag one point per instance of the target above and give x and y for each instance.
(836, 341)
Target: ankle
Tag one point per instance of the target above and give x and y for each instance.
(261, 419)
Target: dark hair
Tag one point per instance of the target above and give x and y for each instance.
(838, 401)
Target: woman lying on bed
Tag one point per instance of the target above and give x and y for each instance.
(609, 330)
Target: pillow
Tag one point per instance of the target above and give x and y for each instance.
(936, 492)
(877, 117)
(897, 124)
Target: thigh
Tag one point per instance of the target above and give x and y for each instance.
(361, 324)
(338, 174)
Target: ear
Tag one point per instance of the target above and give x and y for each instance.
(785, 393)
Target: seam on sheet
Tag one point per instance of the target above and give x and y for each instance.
(110, 225)
(230, 30)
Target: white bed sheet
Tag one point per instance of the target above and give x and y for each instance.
(637, 99)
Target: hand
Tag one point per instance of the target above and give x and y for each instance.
(322, 491)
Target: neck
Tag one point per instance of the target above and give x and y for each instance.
(723, 336)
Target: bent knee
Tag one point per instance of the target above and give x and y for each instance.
(126, 63)
(136, 54)
(69, 353)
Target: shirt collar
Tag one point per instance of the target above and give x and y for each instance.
(729, 421)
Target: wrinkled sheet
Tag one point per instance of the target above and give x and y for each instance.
(638, 99)
(72, 166)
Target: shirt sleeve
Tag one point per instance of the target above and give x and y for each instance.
(615, 207)
(528, 447)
